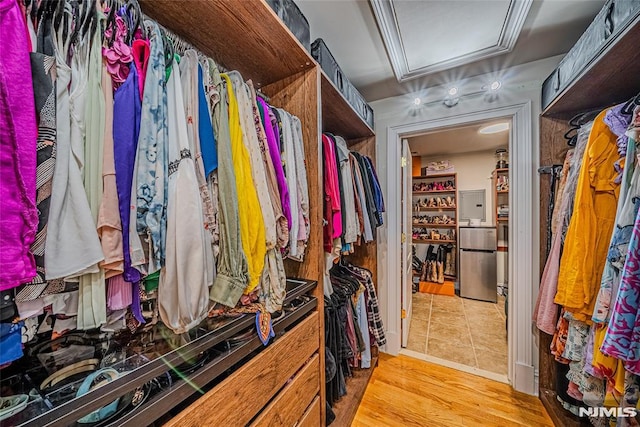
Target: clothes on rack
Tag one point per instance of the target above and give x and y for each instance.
(591, 273)
(160, 183)
(353, 202)
(352, 324)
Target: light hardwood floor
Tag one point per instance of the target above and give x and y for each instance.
(408, 392)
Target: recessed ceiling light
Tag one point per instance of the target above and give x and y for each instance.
(498, 127)
(495, 85)
(417, 101)
(453, 91)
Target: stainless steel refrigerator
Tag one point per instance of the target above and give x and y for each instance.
(478, 263)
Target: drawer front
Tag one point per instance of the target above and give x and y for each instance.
(311, 417)
(242, 395)
(289, 405)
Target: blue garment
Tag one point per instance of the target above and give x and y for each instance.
(126, 129)
(377, 192)
(10, 342)
(152, 158)
(208, 146)
(363, 324)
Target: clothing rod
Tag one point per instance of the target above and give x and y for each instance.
(549, 169)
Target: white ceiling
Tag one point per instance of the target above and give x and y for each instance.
(462, 139)
(351, 33)
(425, 37)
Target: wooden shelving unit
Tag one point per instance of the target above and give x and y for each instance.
(434, 241)
(450, 211)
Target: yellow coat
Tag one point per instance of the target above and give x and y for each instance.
(589, 233)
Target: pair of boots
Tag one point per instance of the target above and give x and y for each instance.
(450, 261)
(433, 268)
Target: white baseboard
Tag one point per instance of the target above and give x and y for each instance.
(524, 379)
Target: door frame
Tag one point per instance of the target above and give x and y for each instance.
(406, 281)
(523, 235)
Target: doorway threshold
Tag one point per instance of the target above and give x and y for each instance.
(457, 366)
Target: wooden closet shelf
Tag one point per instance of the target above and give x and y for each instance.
(452, 208)
(211, 26)
(432, 241)
(435, 192)
(502, 191)
(434, 225)
(338, 117)
(438, 175)
(601, 85)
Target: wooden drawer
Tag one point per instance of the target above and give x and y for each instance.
(311, 417)
(242, 395)
(289, 405)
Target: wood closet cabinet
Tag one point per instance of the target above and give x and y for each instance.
(283, 384)
(609, 78)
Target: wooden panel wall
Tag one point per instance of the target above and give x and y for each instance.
(366, 255)
(300, 95)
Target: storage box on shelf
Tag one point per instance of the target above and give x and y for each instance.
(588, 79)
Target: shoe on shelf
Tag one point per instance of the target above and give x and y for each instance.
(431, 203)
(450, 202)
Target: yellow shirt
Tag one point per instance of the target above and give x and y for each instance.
(252, 231)
(591, 225)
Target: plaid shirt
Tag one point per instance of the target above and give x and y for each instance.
(373, 309)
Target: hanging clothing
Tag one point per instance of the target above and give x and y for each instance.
(43, 69)
(88, 120)
(258, 174)
(252, 231)
(304, 230)
(350, 231)
(595, 208)
(332, 208)
(233, 269)
(151, 173)
(109, 223)
(189, 80)
(545, 313)
(18, 135)
(183, 288)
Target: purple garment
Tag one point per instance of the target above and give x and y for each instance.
(618, 123)
(18, 134)
(126, 128)
(274, 150)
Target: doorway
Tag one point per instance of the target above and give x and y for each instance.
(458, 196)
(523, 153)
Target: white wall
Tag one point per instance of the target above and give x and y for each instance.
(520, 84)
(473, 173)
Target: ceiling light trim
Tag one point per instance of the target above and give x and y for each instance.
(385, 15)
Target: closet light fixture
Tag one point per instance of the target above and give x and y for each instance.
(495, 128)
(495, 85)
(417, 101)
(453, 91)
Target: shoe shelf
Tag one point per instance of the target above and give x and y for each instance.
(434, 192)
(435, 176)
(436, 209)
(433, 241)
(502, 191)
(435, 225)
(503, 219)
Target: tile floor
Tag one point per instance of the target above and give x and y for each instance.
(460, 330)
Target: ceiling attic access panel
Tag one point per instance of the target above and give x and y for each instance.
(264, 57)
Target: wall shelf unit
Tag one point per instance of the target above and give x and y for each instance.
(436, 189)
